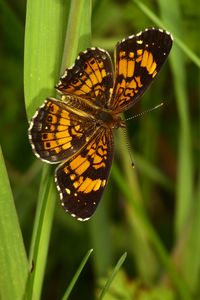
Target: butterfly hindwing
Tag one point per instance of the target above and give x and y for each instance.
(82, 179)
(91, 77)
(56, 132)
(138, 59)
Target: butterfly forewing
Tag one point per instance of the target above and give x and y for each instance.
(91, 77)
(138, 59)
(82, 180)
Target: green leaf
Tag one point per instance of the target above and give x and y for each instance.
(13, 260)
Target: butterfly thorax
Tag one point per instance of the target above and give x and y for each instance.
(106, 118)
(97, 114)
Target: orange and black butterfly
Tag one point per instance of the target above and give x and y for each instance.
(76, 131)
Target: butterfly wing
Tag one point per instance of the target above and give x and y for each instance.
(81, 180)
(138, 59)
(91, 77)
(56, 132)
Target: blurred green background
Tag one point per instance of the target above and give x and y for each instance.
(151, 212)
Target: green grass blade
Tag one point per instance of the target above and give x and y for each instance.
(41, 72)
(111, 278)
(13, 260)
(167, 26)
(41, 234)
(76, 275)
(45, 28)
(42, 60)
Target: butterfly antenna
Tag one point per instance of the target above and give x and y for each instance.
(146, 111)
(128, 146)
(125, 129)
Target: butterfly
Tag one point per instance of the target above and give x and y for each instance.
(76, 131)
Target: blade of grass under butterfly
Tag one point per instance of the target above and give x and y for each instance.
(168, 26)
(112, 276)
(46, 23)
(41, 70)
(76, 275)
(13, 260)
(40, 51)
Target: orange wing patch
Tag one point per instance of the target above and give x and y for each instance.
(82, 179)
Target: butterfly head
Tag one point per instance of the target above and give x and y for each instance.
(106, 118)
